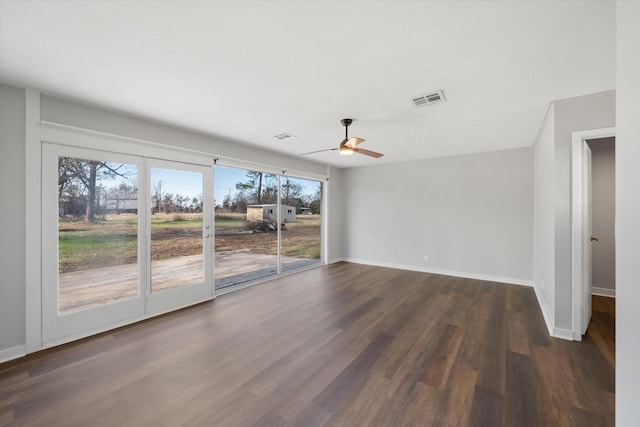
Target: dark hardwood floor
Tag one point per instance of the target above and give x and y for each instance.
(342, 345)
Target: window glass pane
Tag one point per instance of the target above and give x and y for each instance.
(301, 199)
(245, 226)
(177, 257)
(97, 233)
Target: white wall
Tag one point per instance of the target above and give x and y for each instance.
(553, 200)
(472, 215)
(12, 224)
(603, 198)
(335, 235)
(628, 215)
(544, 218)
(575, 114)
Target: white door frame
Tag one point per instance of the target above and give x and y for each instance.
(578, 139)
(39, 132)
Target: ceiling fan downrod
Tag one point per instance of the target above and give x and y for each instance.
(346, 123)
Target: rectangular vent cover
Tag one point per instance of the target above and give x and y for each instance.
(429, 98)
(284, 135)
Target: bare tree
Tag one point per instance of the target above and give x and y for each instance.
(87, 173)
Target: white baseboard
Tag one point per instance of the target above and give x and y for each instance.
(546, 314)
(565, 334)
(466, 275)
(12, 353)
(603, 292)
(335, 260)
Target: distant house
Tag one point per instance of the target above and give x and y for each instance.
(256, 213)
(121, 205)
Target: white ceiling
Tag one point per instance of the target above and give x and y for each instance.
(247, 71)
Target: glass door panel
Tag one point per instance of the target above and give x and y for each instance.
(246, 244)
(97, 233)
(180, 235)
(177, 228)
(301, 200)
(91, 233)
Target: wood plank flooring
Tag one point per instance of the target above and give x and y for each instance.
(341, 345)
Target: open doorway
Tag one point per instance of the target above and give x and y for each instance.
(603, 187)
(593, 222)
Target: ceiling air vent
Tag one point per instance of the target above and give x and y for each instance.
(284, 135)
(428, 98)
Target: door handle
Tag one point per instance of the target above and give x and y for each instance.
(595, 238)
(207, 235)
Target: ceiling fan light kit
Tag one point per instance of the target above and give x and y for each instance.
(348, 145)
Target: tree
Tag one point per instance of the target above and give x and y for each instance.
(291, 192)
(229, 204)
(86, 173)
(254, 182)
(315, 204)
(196, 204)
(167, 203)
(263, 186)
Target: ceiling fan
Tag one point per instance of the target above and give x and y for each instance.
(348, 145)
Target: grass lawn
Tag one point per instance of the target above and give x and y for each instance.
(114, 241)
(104, 243)
(299, 239)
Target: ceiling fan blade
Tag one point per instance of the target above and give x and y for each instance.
(353, 141)
(319, 151)
(368, 152)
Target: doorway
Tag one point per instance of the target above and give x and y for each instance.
(584, 235)
(124, 237)
(603, 216)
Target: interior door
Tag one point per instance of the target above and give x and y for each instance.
(587, 233)
(93, 259)
(180, 235)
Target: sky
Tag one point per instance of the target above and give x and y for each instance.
(189, 184)
(176, 182)
(226, 178)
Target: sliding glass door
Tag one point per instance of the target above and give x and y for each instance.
(126, 236)
(265, 224)
(246, 241)
(300, 239)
